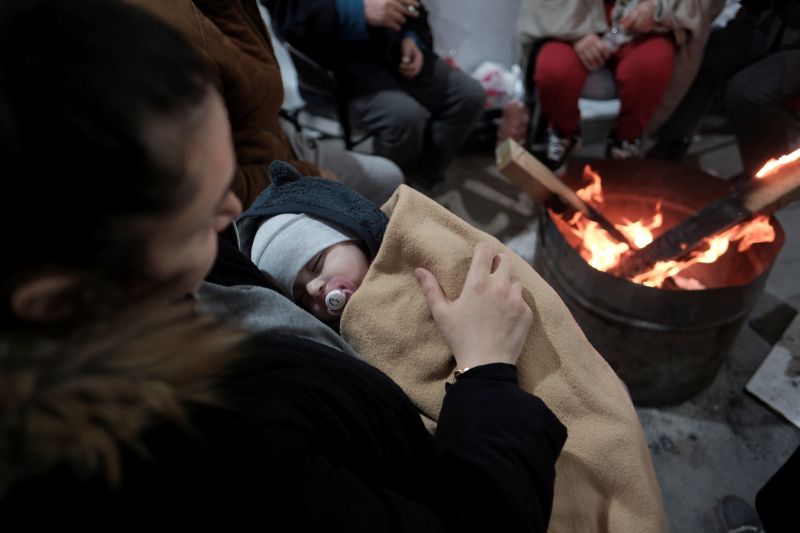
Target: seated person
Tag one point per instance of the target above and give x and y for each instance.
(118, 399)
(420, 108)
(761, 100)
(563, 47)
(231, 34)
(752, 66)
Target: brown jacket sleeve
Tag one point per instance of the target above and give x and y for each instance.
(232, 36)
(250, 180)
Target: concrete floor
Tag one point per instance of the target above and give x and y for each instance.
(723, 441)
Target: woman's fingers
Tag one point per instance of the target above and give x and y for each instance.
(482, 259)
(396, 19)
(489, 320)
(434, 295)
(503, 269)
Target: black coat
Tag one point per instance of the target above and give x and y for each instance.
(316, 439)
(306, 438)
(361, 66)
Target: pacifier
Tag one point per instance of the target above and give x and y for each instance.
(337, 291)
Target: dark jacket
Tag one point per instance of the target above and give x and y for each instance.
(363, 64)
(231, 35)
(135, 422)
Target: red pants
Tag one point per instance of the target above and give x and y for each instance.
(642, 69)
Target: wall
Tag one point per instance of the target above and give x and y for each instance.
(476, 30)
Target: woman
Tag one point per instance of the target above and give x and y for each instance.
(118, 401)
(652, 47)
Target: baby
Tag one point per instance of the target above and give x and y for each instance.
(313, 238)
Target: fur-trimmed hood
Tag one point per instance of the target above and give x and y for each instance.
(75, 400)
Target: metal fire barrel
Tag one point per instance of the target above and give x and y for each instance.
(665, 344)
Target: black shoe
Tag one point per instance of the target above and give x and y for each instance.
(559, 149)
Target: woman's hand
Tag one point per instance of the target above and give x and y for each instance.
(640, 20)
(390, 13)
(591, 51)
(411, 58)
(489, 321)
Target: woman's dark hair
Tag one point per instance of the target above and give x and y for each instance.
(81, 82)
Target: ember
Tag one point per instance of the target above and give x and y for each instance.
(603, 252)
(774, 164)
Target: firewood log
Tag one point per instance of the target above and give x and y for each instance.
(758, 196)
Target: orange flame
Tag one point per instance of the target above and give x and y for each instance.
(592, 193)
(747, 233)
(599, 249)
(774, 164)
(640, 233)
(604, 253)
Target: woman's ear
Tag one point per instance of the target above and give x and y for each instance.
(45, 298)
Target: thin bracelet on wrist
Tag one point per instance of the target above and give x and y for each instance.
(460, 372)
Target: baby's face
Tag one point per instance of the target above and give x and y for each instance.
(344, 260)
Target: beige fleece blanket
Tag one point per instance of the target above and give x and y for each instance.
(605, 480)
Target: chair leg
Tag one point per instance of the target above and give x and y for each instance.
(344, 121)
(292, 117)
(537, 126)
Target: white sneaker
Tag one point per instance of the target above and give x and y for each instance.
(623, 149)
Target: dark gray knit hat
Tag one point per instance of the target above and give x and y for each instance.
(329, 201)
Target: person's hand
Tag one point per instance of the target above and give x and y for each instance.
(489, 321)
(411, 58)
(640, 20)
(591, 51)
(390, 14)
(328, 174)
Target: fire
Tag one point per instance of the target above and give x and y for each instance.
(774, 164)
(604, 253)
(599, 249)
(747, 233)
(592, 193)
(759, 230)
(639, 232)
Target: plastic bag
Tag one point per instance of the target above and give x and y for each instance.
(500, 83)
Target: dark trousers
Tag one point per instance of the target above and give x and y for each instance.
(728, 51)
(754, 85)
(421, 125)
(756, 101)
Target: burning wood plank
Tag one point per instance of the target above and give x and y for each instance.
(775, 185)
(539, 182)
